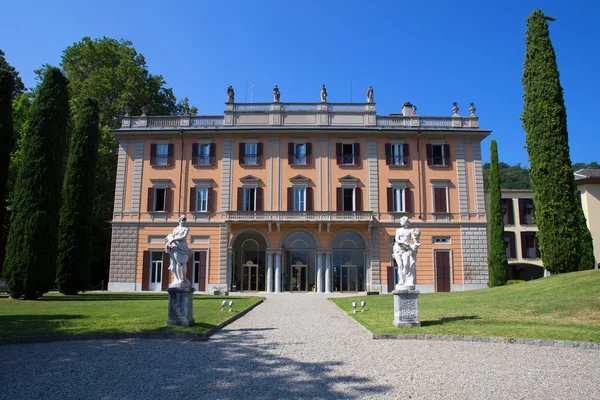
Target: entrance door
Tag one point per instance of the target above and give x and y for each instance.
(348, 278)
(199, 272)
(156, 266)
(250, 277)
(442, 271)
(299, 278)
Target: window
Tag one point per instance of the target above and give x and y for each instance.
(160, 196)
(300, 153)
(249, 199)
(348, 199)
(202, 200)
(509, 245)
(348, 153)
(160, 200)
(299, 199)
(162, 154)
(203, 154)
(529, 245)
(398, 199)
(507, 211)
(251, 154)
(526, 211)
(156, 270)
(438, 155)
(440, 200)
(441, 240)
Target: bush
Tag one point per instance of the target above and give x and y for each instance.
(514, 281)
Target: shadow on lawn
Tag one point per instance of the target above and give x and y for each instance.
(33, 324)
(446, 320)
(125, 297)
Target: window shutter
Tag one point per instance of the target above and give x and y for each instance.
(213, 153)
(193, 199)
(513, 249)
(429, 151)
(165, 271)
(388, 154)
(202, 271)
(308, 153)
(210, 200)
(391, 272)
(240, 199)
(338, 193)
(356, 153)
(259, 199)
(153, 154)
(242, 155)
(509, 210)
(168, 200)
(146, 270)
(290, 153)
(390, 199)
(408, 200)
(309, 199)
(195, 154)
(358, 199)
(440, 200)
(170, 154)
(189, 273)
(150, 204)
(405, 154)
(290, 199)
(524, 245)
(259, 153)
(338, 153)
(447, 154)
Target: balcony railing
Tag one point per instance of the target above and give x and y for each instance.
(300, 216)
(429, 122)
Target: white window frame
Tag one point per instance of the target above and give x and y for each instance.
(398, 194)
(442, 240)
(353, 156)
(439, 185)
(433, 159)
(158, 264)
(398, 184)
(201, 197)
(254, 154)
(247, 198)
(299, 198)
(203, 154)
(353, 188)
(397, 154)
(302, 153)
(162, 154)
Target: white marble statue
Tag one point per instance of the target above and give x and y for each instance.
(323, 94)
(176, 246)
(370, 94)
(276, 94)
(230, 94)
(405, 254)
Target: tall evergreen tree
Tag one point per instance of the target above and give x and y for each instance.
(498, 264)
(31, 250)
(75, 237)
(563, 239)
(6, 132)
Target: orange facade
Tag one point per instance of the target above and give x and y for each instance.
(295, 207)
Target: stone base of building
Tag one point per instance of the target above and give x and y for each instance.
(181, 305)
(122, 287)
(406, 308)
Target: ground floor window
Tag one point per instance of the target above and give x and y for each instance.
(156, 266)
(199, 270)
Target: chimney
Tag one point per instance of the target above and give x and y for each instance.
(408, 110)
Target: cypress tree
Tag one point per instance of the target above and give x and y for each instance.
(31, 250)
(498, 264)
(563, 236)
(6, 132)
(75, 237)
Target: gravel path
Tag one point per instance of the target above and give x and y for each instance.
(294, 347)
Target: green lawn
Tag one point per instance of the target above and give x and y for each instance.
(560, 307)
(55, 314)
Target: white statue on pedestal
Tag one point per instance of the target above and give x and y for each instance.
(405, 254)
(176, 246)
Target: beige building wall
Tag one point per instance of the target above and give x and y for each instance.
(590, 201)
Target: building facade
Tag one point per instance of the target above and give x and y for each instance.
(588, 187)
(286, 197)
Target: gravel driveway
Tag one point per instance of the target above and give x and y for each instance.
(295, 347)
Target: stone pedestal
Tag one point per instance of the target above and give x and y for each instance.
(406, 308)
(181, 304)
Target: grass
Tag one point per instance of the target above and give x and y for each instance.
(559, 307)
(55, 314)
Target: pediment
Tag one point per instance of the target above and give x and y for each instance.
(299, 178)
(250, 178)
(348, 178)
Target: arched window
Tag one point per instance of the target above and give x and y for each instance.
(348, 262)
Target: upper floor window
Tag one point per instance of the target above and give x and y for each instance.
(201, 199)
(349, 199)
(347, 153)
(161, 154)
(529, 245)
(396, 153)
(203, 154)
(509, 244)
(250, 199)
(300, 199)
(396, 199)
(438, 155)
(250, 153)
(507, 211)
(160, 199)
(526, 211)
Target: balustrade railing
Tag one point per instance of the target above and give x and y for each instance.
(291, 216)
(347, 107)
(299, 107)
(252, 107)
(164, 121)
(207, 120)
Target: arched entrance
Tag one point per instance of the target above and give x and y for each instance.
(249, 274)
(348, 262)
(299, 267)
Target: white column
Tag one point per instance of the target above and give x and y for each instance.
(368, 271)
(327, 272)
(229, 282)
(319, 272)
(269, 272)
(278, 272)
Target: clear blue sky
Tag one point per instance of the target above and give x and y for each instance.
(430, 53)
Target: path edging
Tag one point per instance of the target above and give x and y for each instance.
(127, 335)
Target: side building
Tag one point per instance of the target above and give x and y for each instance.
(286, 197)
(588, 187)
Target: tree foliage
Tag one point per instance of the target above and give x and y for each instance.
(6, 132)
(75, 234)
(498, 264)
(18, 86)
(562, 237)
(511, 176)
(31, 251)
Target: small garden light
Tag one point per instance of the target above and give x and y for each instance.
(223, 304)
(230, 305)
(354, 307)
(362, 305)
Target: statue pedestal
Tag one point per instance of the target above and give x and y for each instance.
(181, 304)
(406, 308)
